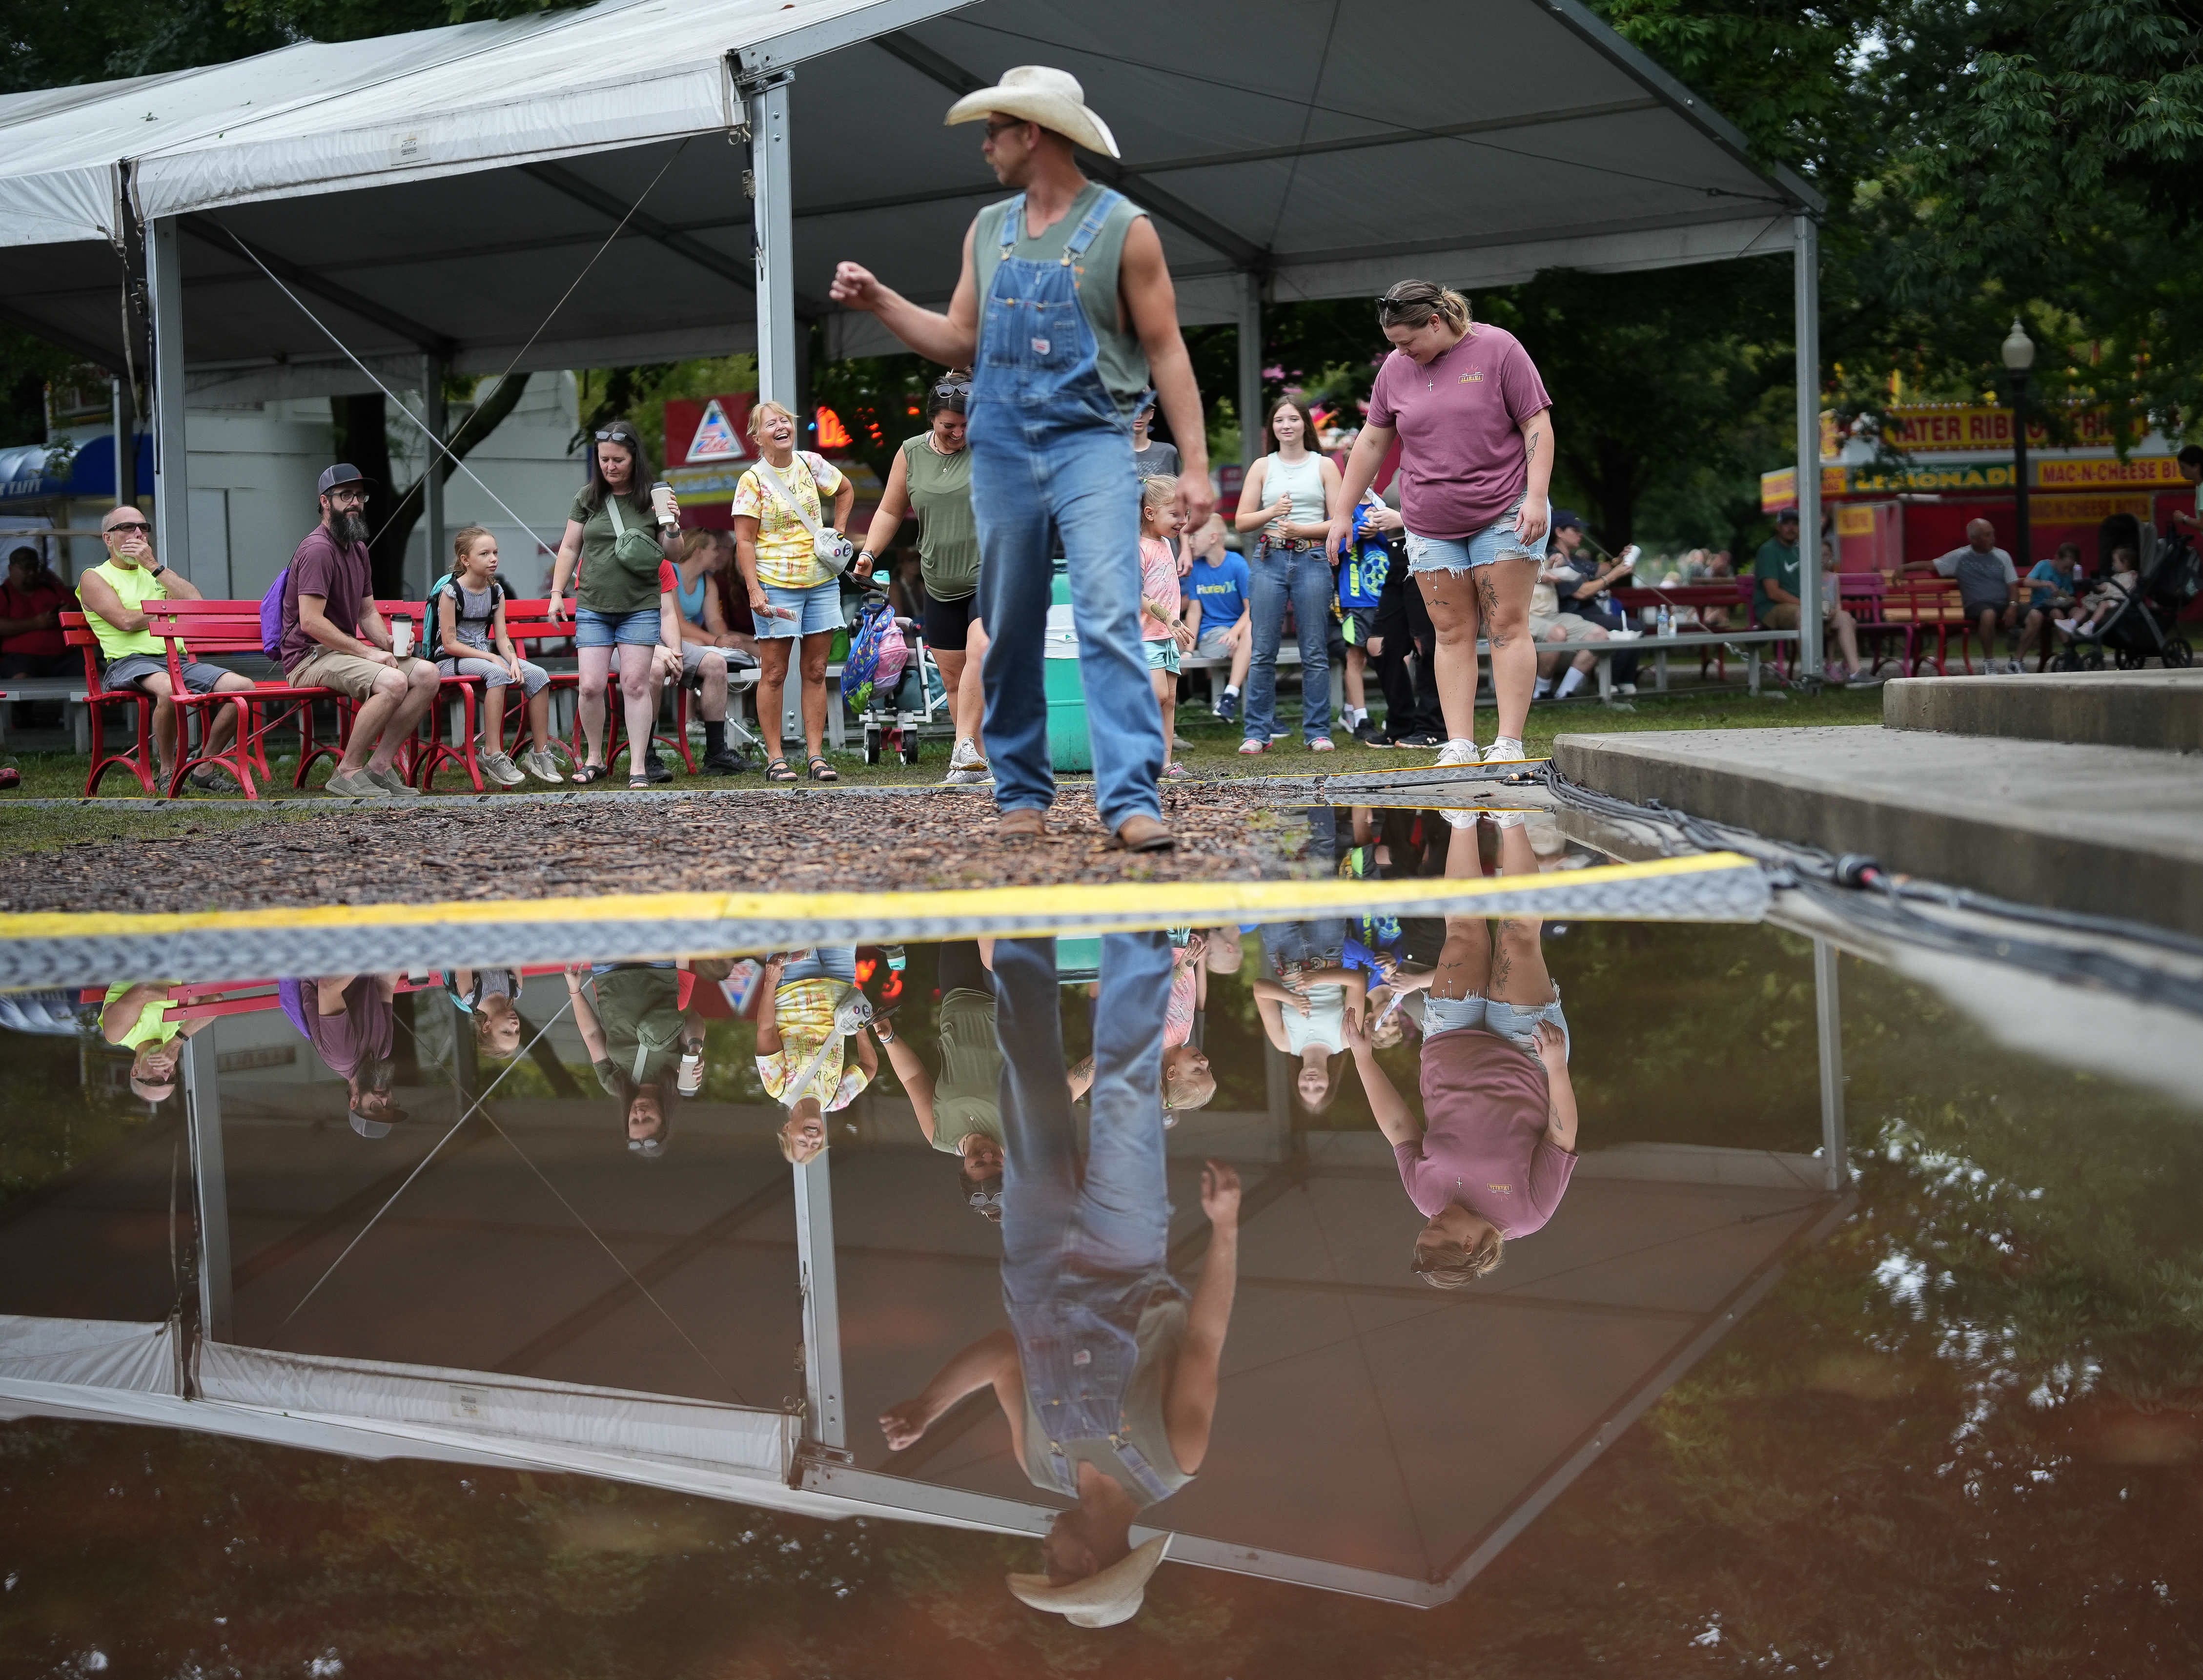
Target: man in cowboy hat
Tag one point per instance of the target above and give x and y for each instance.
(1065, 312)
(1107, 1374)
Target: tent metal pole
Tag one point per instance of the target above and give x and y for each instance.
(776, 240)
(1805, 257)
(1828, 1010)
(126, 443)
(210, 1181)
(433, 472)
(172, 530)
(823, 1421)
(1250, 367)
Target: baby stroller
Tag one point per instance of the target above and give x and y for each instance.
(894, 716)
(2145, 624)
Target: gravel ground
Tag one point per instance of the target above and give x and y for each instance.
(813, 842)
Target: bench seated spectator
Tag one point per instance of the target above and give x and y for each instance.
(121, 596)
(32, 644)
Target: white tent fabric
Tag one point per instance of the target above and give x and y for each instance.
(438, 192)
(89, 1353)
(319, 117)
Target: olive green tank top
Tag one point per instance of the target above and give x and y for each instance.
(967, 1096)
(1119, 354)
(947, 535)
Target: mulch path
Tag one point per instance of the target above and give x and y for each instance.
(733, 842)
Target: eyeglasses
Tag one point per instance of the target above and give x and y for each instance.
(130, 525)
(995, 125)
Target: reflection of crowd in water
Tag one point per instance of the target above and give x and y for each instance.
(1106, 1369)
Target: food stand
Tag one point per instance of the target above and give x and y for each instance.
(1897, 502)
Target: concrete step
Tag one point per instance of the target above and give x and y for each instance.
(2114, 830)
(2158, 709)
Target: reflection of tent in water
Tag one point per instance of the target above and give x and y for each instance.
(534, 1299)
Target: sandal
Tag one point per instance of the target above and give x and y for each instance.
(821, 771)
(776, 769)
(588, 773)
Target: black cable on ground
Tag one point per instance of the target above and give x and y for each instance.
(1856, 888)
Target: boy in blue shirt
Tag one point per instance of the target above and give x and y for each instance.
(1218, 582)
(2053, 587)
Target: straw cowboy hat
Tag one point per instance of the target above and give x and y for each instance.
(1052, 99)
(1109, 1596)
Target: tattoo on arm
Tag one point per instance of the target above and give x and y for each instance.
(1530, 447)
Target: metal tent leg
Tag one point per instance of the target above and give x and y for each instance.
(210, 1181)
(1250, 367)
(171, 525)
(823, 1421)
(1829, 1011)
(771, 213)
(1807, 303)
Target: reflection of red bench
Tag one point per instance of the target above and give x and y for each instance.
(208, 1000)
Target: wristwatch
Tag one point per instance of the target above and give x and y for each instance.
(157, 568)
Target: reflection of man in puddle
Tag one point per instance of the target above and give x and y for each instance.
(1499, 1146)
(1107, 1374)
(960, 1113)
(350, 1021)
(139, 1017)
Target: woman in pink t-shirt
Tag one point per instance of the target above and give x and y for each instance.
(1493, 1154)
(1475, 430)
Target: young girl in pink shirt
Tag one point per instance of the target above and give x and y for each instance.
(1159, 605)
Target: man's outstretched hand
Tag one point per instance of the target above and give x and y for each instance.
(1220, 1193)
(904, 1425)
(855, 286)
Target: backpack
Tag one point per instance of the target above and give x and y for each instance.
(1363, 568)
(271, 616)
(877, 656)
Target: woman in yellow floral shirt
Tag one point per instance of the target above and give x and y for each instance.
(795, 1027)
(793, 593)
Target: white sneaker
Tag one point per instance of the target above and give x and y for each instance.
(970, 776)
(543, 765)
(1455, 753)
(1461, 819)
(501, 770)
(967, 755)
(1503, 751)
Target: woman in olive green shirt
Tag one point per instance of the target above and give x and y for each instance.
(960, 1112)
(932, 477)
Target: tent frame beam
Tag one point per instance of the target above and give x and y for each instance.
(641, 224)
(208, 231)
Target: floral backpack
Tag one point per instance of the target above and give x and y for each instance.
(877, 655)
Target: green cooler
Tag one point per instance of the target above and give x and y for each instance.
(1069, 745)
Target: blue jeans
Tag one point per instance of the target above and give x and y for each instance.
(1304, 576)
(1102, 1235)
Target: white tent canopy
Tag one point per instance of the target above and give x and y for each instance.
(437, 194)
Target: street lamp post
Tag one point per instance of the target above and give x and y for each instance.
(2018, 357)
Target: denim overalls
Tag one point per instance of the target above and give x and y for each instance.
(1049, 447)
(1083, 1252)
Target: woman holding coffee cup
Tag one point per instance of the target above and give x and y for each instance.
(791, 559)
(623, 537)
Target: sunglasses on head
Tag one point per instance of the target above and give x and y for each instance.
(1408, 294)
(616, 436)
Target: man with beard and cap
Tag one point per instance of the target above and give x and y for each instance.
(350, 1021)
(1065, 314)
(333, 637)
(1107, 1374)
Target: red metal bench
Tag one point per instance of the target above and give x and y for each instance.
(97, 698)
(217, 627)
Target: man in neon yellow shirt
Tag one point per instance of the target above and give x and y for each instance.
(114, 594)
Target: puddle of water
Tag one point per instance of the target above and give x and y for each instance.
(568, 1368)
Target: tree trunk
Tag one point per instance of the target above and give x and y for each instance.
(364, 440)
(409, 508)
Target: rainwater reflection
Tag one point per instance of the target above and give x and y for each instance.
(1421, 1260)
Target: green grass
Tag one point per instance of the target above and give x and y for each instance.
(1213, 748)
